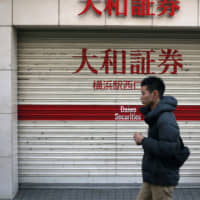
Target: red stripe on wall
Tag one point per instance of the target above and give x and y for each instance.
(97, 112)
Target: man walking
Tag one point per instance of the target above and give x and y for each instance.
(160, 173)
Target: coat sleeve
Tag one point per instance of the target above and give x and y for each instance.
(168, 142)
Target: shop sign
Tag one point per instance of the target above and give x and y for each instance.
(128, 113)
(138, 7)
(98, 112)
(116, 85)
(169, 61)
(115, 62)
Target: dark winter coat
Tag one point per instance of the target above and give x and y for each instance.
(161, 145)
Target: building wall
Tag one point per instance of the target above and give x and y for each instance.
(65, 13)
(8, 102)
(54, 13)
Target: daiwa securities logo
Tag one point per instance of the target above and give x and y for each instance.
(113, 61)
(137, 7)
(169, 61)
(128, 113)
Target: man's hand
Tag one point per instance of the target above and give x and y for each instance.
(138, 137)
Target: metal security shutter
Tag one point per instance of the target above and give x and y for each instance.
(87, 151)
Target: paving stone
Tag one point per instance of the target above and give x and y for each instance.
(98, 194)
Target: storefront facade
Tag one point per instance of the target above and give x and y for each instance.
(71, 73)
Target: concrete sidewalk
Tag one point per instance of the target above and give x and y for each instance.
(181, 193)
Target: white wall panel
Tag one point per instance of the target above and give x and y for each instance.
(65, 13)
(35, 12)
(5, 12)
(69, 13)
(187, 16)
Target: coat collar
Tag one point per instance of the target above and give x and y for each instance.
(166, 104)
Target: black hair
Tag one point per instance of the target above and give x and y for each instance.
(154, 83)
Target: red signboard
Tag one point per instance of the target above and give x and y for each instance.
(97, 112)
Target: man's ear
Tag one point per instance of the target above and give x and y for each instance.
(156, 93)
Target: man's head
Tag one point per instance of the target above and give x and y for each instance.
(152, 89)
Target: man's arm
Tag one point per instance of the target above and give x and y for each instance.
(167, 143)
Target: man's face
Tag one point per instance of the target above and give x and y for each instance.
(147, 98)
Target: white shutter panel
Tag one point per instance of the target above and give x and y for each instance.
(87, 151)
